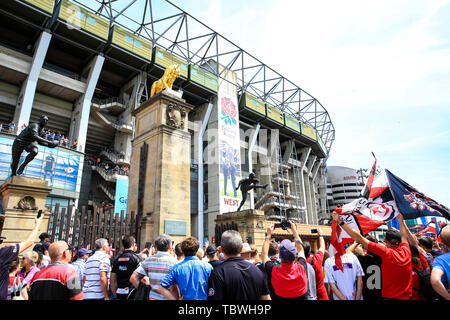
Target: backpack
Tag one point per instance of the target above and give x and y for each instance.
(426, 288)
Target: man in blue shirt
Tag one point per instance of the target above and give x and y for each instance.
(440, 275)
(191, 275)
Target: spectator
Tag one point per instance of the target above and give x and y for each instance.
(235, 278)
(42, 246)
(211, 253)
(311, 274)
(1, 127)
(97, 272)
(396, 269)
(254, 254)
(18, 286)
(371, 266)
(179, 253)
(80, 263)
(246, 252)
(200, 254)
(440, 275)
(11, 127)
(11, 253)
(75, 144)
(123, 267)
(29, 267)
(58, 281)
(426, 243)
(317, 260)
(191, 275)
(66, 142)
(346, 284)
(419, 263)
(288, 278)
(156, 267)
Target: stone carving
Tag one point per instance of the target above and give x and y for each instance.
(27, 203)
(175, 116)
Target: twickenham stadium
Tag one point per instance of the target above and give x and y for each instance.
(89, 66)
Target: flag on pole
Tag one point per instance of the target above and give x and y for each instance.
(411, 202)
(365, 214)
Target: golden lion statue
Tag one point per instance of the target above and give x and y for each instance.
(170, 74)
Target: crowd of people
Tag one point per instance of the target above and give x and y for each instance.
(48, 134)
(108, 166)
(401, 268)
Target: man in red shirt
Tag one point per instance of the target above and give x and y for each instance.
(58, 281)
(396, 268)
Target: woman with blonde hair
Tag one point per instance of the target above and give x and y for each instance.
(29, 267)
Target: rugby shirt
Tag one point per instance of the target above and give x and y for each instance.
(56, 282)
(96, 263)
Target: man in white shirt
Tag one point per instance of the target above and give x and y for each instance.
(346, 285)
(97, 272)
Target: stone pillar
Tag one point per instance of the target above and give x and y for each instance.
(161, 193)
(250, 223)
(22, 198)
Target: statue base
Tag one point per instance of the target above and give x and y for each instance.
(249, 223)
(22, 198)
(159, 187)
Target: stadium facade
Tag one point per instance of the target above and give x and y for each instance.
(89, 64)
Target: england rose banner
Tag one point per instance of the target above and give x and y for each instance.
(229, 152)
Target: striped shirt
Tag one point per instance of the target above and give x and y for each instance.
(156, 267)
(96, 263)
(79, 266)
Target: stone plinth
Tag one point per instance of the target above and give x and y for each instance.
(250, 223)
(22, 198)
(159, 179)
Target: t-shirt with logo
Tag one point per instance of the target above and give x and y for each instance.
(124, 266)
(396, 270)
(345, 281)
(95, 264)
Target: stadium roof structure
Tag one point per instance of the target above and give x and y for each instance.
(167, 26)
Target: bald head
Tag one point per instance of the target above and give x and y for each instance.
(58, 252)
(445, 236)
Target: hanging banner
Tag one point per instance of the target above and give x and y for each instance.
(229, 152)
(121, 196)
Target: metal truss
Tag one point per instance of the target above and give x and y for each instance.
(167, 26)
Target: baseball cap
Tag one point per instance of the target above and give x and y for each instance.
(83, 251)
(211, 250)
(287, 251)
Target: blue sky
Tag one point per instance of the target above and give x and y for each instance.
(381, 69)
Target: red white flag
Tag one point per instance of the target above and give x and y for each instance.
(365, 214)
